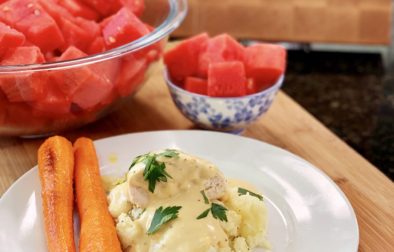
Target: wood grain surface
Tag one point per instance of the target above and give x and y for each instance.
(286, 125)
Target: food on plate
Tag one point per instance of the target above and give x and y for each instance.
(221, 67)
(172, 201)
(97, 231)
(56, 172)
(42, 31)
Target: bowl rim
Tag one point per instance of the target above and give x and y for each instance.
(272, 88)
(177, 13)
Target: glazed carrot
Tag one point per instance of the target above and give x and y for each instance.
(56, 171)
(98, 231)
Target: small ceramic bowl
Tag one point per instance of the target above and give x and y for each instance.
(231, 114)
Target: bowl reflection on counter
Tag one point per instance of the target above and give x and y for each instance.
(115, 75)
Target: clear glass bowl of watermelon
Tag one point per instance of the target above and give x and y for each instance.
(50, 84)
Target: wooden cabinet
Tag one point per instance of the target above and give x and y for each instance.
(336, 21)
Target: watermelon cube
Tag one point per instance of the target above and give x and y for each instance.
(220, 49)
(23, 55)
(97, 46)
(265, 63)
(131, 75)
(69, 80)
(196, 85)
(3, 107)
(79, 9)
(226, 79)
(25, 86)
(92, 91)
(13, 11)
(122, 28)
(104, 7)
(182, 60)
(85, 87)
(54, 103)
(79, 32)
(9, 38)
(30, 12)
(56, 11)
(251, 86)
(135, 6)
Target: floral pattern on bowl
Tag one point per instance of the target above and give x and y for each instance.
(231, 114)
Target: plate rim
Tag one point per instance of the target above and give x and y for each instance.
(208, 132)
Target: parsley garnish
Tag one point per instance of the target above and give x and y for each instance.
(137, 159)
(204, 214)
(243, 191)
(170, 153)
(154, 170)
(206, 201)
(162, 216)
(218, 212)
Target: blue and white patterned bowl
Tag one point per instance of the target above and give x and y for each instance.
(231, 114)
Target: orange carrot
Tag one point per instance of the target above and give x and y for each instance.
(56, 171)
(98, 231)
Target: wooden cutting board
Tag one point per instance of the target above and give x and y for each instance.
(327, 21)
(286, 125)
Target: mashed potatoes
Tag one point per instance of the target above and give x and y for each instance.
(172, 201)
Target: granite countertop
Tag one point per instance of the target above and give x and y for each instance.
(352, 95)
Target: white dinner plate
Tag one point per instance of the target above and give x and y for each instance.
(307, 211)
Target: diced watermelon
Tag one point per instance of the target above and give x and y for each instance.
(104, 22)
(265, 63)
(69, 80)
(104, 7)
(20, 114)
(251, 86)
(136, 6)
(25, 13)
(13, 11)
(85, 87)
(220, 49)
(226, 79)
(79, 9)
(123, 28)
(57, 12)
(196, 85)
(131, 75)
(9, 38)
(53, 104)
(97, 46)
(25, 86)
(3, 107)
(154, 51)
(79, 32)
(91, 92)
(23, 55)
(182, 60)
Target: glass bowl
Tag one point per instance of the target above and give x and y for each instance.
(226, 114)
(114, 76)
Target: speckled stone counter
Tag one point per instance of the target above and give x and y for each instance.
(352, 95)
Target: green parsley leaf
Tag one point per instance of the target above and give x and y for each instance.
(204, 214)
(206, 201)
(243, 191)
(219, 212)
(169, 153)
(137, 160)
(162, 216)
(154, 172)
